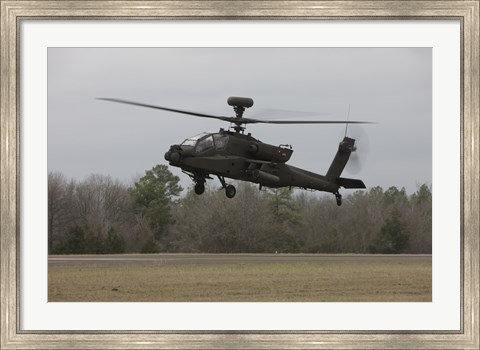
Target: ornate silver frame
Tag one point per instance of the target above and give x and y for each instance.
(12, 12)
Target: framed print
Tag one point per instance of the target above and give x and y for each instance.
(99, 39)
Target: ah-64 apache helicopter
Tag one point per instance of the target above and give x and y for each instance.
(236, 155)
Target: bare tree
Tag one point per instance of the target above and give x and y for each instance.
(99, 202)
(59, 215)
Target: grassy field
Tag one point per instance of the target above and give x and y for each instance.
(329, 282)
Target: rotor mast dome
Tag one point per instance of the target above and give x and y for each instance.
(245, 102)
(239, 104)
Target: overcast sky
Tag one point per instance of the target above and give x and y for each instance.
(390, 86)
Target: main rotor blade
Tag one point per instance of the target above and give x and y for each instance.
(235, 120)
(285, 114)
(228, 119)
(251, 121)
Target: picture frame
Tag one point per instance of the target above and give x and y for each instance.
(13, 12)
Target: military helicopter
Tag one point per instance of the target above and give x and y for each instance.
(235, 155)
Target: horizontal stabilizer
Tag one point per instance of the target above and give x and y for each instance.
(350, 183)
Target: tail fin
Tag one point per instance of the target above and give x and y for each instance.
(345, 148)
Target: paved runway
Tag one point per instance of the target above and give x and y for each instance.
(183, 259)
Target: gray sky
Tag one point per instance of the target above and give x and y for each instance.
(390, 86)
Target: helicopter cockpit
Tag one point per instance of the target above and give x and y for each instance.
(205, 141)
(192, 141)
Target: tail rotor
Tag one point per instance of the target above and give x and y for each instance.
(360, 149)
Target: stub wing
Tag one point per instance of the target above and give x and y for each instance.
(255, 161)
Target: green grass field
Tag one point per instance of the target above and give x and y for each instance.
(328, 282)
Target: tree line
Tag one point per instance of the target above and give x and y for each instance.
(101, 215)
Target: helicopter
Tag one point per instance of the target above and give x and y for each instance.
(233, 154)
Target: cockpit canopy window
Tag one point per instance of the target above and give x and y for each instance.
(192, 141)
(220, 141)
(205, 141)
(204, 144)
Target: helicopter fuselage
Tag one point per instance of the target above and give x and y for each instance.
(237, 156)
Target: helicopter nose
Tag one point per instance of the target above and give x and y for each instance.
(173, 155)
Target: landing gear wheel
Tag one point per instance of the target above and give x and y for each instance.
(339, 199)
(199, 188)
(230, 191)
